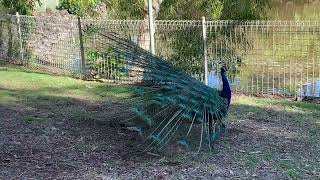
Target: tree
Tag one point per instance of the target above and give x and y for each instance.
(25, 7)
(79, 7)
(190, 9)
(245, 9)
(3, 9)
(129, 9)
(135, 9)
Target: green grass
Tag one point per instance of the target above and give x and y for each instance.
(18, 84)
(297, 114)
(292, 123)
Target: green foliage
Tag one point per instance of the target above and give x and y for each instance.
(128, 9)
(172, 9)
(187, 47)
(169, 9)
(79, 7)
(181, 9)
(245, 9)
(293, 174)
(106, 63)
(3, 10)
(25, 7)
(187, 44)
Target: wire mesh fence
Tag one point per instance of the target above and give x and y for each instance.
(269, 57)
(101, 62)
(263, 57)
(9, 39)
(49, 43)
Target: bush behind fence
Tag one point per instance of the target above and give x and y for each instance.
(263, 57)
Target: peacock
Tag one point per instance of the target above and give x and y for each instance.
(168, 105)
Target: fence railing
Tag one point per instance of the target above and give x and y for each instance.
(263, 57)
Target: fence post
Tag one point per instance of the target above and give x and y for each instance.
(83, 61)
(151, 27)
(205, 51)
(20, 36)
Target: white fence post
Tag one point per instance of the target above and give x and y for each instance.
(20, 37)
(205, 51)
(151, 27)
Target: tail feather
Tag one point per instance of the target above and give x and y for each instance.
(169, 102)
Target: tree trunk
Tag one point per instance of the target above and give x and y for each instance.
(144, 36)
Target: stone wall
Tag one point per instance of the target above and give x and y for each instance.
(53, 40)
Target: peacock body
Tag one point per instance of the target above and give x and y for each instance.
(170, 105)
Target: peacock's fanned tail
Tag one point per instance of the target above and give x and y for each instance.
(169, 105)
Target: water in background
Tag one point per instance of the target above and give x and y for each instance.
(214, 80)
(295, 10)
(311, 90)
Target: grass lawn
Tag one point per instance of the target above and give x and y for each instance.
(59, 127)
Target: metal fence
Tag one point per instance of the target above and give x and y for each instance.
(263, 57)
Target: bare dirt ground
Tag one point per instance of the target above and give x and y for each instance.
(65, 137)
(50, 142)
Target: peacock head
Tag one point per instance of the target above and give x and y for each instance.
(223, 68)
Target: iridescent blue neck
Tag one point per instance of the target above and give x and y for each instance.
(226, 90)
